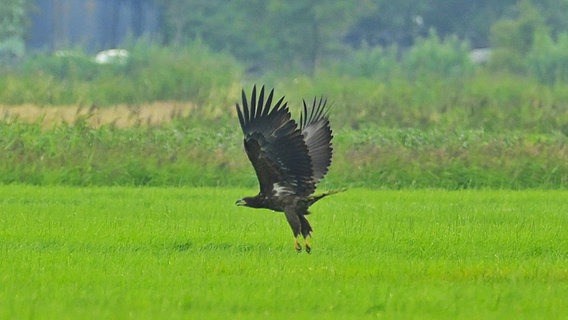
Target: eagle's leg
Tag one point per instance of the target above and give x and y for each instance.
(294, 222)
(307, 243)
(297, 244)
(306, 230)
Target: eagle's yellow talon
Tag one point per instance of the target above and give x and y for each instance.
(307, 244)
(297, 245)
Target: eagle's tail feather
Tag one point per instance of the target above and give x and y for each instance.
(313, 199)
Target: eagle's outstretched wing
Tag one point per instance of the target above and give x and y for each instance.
(314, 125)
(275, 146)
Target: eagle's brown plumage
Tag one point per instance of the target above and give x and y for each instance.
(289, 159)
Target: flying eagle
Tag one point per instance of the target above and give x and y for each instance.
(289, 159)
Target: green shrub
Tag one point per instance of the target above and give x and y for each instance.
(429, 57)
(72, 65)
(548, 59)
(512, 38)
(152, 73)
(369, 62)
(447, 58)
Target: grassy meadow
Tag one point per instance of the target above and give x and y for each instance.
(130, 252)
(118, 184)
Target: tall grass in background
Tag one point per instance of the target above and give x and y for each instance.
(449, 124)
(490, 102)
(151, 73)
(186, 153)
(435, 85)
(548, 60)
(431, 85)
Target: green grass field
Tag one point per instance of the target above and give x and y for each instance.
(171, 253)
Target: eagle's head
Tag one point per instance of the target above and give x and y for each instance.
(253, 202)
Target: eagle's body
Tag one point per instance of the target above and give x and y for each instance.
(289, 159)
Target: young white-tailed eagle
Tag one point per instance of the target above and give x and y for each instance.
(289, 158)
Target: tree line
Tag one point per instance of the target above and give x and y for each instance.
(304, 33)
(303, 36)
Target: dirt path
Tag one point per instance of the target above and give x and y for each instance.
(120, 115)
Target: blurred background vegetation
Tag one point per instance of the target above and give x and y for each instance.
(439, 93)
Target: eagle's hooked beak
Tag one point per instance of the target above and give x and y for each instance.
(241, 202)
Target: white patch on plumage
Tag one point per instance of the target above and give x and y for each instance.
(279, 190)
(309, 130)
